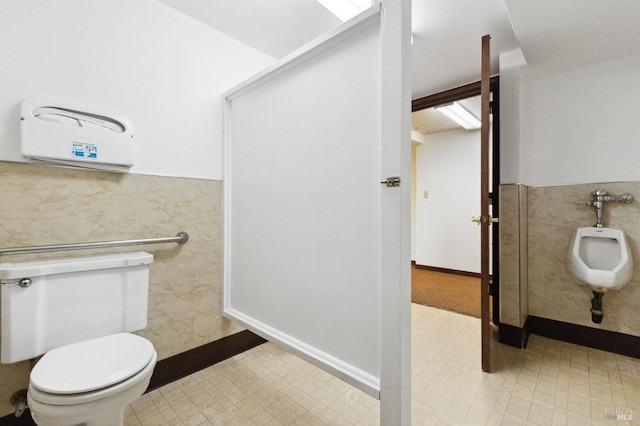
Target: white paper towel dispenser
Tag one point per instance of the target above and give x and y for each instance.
(65, 133)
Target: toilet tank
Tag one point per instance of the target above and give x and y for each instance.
(70, 300)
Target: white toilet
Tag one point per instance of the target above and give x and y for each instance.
(78, 312)
(600, 258)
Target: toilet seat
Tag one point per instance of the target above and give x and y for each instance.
(92, 365)
(140, 382)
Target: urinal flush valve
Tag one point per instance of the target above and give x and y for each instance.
(599, 198)
(596, 307)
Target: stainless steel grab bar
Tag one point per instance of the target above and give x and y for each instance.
(180, 238)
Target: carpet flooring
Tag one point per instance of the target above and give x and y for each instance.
(451, 292)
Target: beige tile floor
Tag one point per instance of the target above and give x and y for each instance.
(549, 383)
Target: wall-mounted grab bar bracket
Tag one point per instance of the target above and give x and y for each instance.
(180, 238)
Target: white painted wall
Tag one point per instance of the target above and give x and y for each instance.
(581, 126)
(448, 167)
(164, 71)
(413, 201)
(578, 127)
(510, 125)
(417, 138)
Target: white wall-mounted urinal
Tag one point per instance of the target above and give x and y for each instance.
(600, 258)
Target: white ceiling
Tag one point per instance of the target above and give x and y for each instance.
(562, 35)
(554, 35)
(275, 27)
(447, 41)
(428, 121)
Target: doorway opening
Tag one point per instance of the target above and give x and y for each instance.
(445, 195)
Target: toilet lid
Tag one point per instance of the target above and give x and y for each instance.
(91, 365)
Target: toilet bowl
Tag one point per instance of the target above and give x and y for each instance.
(90, 382)
(79, 313)
(600, 258)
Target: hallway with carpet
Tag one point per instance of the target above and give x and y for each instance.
(451, 292)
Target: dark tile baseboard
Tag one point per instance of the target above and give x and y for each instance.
(178, 366)
(513, 336)
(185, 363)
(610, 341)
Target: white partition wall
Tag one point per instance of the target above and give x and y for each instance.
(302, 197)
(304, 233)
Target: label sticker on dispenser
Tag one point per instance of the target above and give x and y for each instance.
(84, 150)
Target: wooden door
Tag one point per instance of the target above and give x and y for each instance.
(485, 216)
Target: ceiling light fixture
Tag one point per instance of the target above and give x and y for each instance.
(345, 9)
(457, 113)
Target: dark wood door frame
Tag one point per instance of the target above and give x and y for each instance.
(463, 92)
